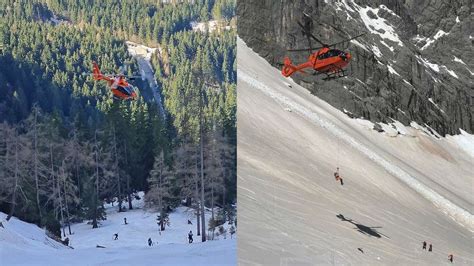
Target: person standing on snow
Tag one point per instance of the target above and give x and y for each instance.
(424, 245)
(115, 236)
(451, 258)
(190, 237)
(150, 243)
(430, 249)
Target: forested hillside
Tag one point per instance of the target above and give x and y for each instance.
(67, 145)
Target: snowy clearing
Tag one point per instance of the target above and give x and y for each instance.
(209, 26)
(23, 243)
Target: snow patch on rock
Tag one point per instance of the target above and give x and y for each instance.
(438, 35)
(376, 51)
(465, 141)
(437, 107)
(392, 71)
(379, 25)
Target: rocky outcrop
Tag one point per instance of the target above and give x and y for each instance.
(414, 64)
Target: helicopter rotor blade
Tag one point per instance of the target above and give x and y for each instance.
(347, 40)
(326, 24)
(309, 34)
(304, 49)
(305, 33)
(133, 77)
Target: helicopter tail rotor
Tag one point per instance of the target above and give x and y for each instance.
(96, 71)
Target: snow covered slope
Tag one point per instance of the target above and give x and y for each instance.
(26, 244)
(17, 234)
(399, 189)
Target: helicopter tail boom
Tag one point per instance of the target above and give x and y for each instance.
(289, 69)
(96, 72)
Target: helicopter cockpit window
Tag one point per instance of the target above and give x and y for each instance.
(323, 56)
(330, 53)
(124, 90)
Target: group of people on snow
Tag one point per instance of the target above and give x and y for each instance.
(430, 249)
(150, 242)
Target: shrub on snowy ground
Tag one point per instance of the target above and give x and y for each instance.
(231, 231)
(223, 231)
(211, 228)
(52, 225)
(166, 219)
(229, 213)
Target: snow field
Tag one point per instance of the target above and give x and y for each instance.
(399, 190)
(26, 244)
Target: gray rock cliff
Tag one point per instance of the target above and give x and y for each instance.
(414, 64)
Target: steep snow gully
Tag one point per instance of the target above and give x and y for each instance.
(414, 187)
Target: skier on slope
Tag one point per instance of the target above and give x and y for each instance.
(150, 243)
(424, 245)
(190, 237)
(338, 177)
(451, 258)
(430, 249)
(115, 236)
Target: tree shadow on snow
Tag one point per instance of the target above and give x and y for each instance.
(363, 229)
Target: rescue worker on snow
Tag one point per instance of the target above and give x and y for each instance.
(338, 177)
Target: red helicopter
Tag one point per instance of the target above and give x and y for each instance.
(118, 84)
(325, 60)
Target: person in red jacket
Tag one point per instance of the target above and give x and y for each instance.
(338, 177)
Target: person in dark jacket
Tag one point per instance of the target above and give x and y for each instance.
(190, 236)
(115, 236)
(150, 243)
(430, 249)
(424, 245)
(451, 258)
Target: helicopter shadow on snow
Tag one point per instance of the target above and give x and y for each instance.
(370, 231)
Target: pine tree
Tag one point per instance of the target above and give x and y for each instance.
(159, 193)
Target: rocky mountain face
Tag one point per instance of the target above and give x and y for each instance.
(414, 63)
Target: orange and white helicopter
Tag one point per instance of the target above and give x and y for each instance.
(325, 60)
(118, 83)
